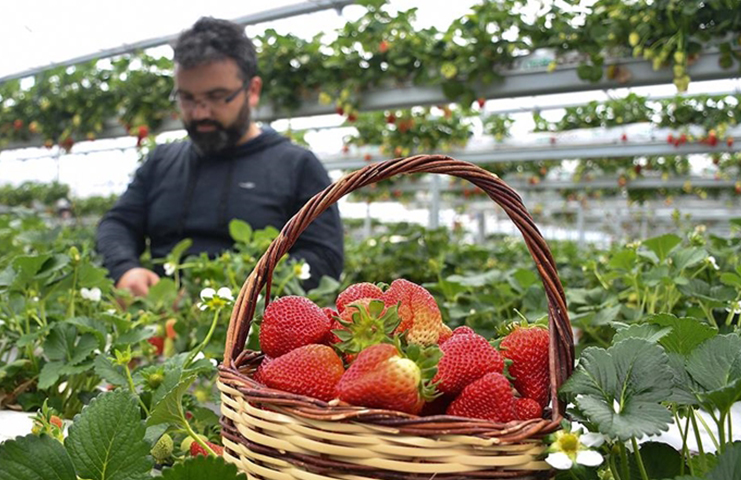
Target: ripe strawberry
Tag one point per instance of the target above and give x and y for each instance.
(258, 373)
(383, 47)
(158, 343)
(356, 292)
(527, 408)
(527, 347)
(54, 420)
(481, 101)
(463, 330)
(466, 358)
(311, 370)
(488, 398)
(382, 378)
(363, 323)
(419, 313)
(291, 322)
(196, 449)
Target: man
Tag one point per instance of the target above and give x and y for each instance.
(229, 168)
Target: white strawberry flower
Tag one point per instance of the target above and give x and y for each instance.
(711, 261)
(169, 268)
(302, 271)
(92, 294)
(212, 299)
(572, 447)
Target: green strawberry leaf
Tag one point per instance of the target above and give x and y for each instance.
(106, 441)
(620, 389)
(50, 373)
(35, 458)
(26, 267)
(624, 260)
(729, 464)
(113, 374)
(169, 409)
(715, 366)
(179, 249)
(659, 459)
(651, 333)
(93, 327)
(65, 345)
(688, 257)
(731, 279)
(202, 467)
(686, 333)
(684, 387)
(662, 245)
(240, 231)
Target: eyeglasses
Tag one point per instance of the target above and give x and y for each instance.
(212, 100)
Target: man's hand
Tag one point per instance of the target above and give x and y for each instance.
(138, 281)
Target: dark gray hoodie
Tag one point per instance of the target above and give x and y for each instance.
(179, 194)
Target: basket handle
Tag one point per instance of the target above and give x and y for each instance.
(561, 336)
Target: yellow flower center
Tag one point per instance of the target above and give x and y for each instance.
(568, 443)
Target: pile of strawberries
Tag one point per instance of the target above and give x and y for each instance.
(391, 350)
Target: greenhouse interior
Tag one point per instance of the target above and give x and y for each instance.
(371, 239)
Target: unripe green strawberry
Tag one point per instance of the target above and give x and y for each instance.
(292, 322)
(420, 316)
(162, 450)
(311, 370)
(356, 292)
(488, 398)
(380, 377)
(527, 347)
(466, 358)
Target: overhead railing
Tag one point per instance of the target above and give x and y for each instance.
(278, 13)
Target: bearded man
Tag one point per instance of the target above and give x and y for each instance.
(228, 168)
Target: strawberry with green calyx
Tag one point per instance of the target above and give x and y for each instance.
(466, 357)
(312, 370)
(383, 377)
(488, 398)
(291, 322)
(363, 323)
(527, 348)
(355, 292)
(47, 422)
(420, 316)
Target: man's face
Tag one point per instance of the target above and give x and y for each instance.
(215, 104)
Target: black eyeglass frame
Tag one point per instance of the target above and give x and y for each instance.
(175, 97)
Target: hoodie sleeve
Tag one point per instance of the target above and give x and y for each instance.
(321, 245)
(121, 232)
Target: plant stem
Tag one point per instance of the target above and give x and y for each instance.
(700, 449)
(203, 344)
(722, 432)
(73, 291)
(639, 459)
(624, 458)
(133, 389)
(613, 468)
(198, 439)
(710, 432)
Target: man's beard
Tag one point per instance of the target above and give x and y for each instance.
(222, 138)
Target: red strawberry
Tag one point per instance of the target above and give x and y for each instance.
(258, 373)
(527, 408)
(463, 330)
(292, 322)
(196, 449)
(481, 101)
(488, 398)
(382, 378)
(466, 358)
(54, 420)
(363, 323)
(356, 292)
(311, 370)
(159, 344)
(418, 311)
(527, 347)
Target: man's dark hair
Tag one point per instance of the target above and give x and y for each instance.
(211, 39)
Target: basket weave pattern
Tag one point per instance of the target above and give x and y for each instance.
(272, 434)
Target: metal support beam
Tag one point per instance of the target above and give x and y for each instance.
(273, 14)
(434, 221)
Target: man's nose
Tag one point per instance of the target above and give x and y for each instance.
(200, 111)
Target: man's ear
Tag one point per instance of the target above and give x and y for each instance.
(253, 91)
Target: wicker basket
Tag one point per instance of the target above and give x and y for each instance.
(271, 434)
